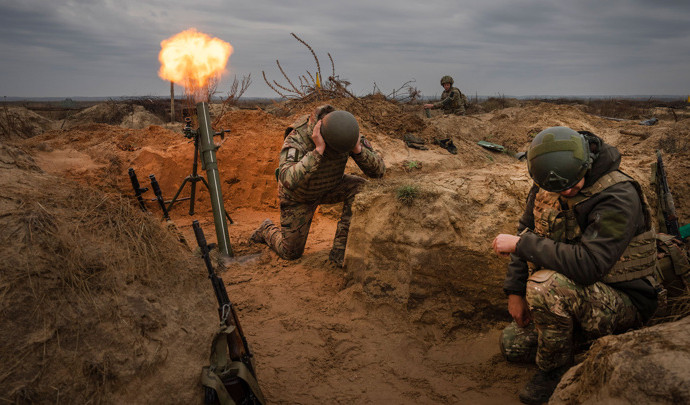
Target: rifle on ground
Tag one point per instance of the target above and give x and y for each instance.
(666, 205)
(231, 377)
(138, 190)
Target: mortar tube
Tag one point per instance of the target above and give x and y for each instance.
(207, 151)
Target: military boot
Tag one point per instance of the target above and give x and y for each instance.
(258, 234)
(539, 389)
(337, 256)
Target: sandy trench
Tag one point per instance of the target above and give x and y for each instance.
(317, 337)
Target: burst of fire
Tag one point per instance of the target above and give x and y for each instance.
(193, 60)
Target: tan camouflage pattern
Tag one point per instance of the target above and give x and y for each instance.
(556, 304)
(452, 102)
(519, 345)
(307, 179)
(553, 222)
(305, 176)
(295, 219)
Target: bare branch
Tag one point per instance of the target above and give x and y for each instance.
(272, 88)
(410, 93)
(306, 84)
(339, 86)
(318, 65)
(283, 87)
(237, 89)
(286, 77)
(332, 64)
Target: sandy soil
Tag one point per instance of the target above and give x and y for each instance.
(317, 333)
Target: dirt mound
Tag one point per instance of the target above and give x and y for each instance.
(95, 295)
(645, 366)
(414, 319)
(428, 253)
(12, 158)
(126, 115)
(19, 122)
(375, 114)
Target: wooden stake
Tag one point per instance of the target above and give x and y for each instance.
(172, 102)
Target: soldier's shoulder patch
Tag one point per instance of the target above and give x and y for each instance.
(366, 143)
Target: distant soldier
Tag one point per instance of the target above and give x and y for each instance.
(584, 257)
(452, 99)
(311, 172)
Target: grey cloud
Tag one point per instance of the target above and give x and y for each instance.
(506, 46)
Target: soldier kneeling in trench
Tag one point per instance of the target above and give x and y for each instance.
(584, 257)
(311, 172)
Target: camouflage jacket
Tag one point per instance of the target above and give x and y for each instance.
(452, 101)
(608, 222)
(304, 175)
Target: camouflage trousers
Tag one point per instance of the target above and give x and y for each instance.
(558, 305)
(295, 220)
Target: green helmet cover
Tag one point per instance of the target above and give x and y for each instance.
(340, 131)
(446, 79)
(558, 158)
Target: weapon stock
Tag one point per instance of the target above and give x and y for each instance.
(241, 387)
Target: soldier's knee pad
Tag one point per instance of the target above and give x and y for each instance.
(538, 285)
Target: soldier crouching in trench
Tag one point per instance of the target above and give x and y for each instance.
(583, 259)
(452, 100)
(311, 172)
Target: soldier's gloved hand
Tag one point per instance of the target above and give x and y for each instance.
(519, 310)
(318, 139)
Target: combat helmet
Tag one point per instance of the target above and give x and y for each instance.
(446, 79)
(340, 131)
(558, 158)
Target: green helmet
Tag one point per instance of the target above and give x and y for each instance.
(340, 131)
(446, 79)
(558, 158)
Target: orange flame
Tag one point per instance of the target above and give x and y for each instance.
(192, 59)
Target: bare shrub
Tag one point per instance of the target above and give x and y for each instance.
(674, 142)
(312, 85)
(237, 89)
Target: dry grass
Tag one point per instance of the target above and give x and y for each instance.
(676, 309)
(69, 252)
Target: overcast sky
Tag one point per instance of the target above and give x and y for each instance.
(109, 48)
